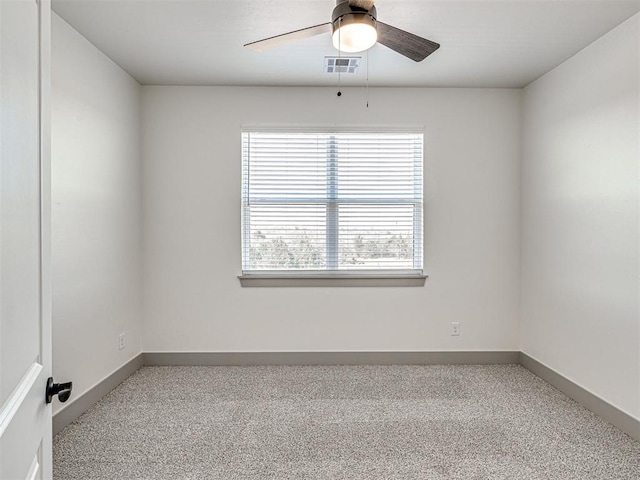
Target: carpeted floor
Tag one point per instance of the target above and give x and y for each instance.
(368, 422)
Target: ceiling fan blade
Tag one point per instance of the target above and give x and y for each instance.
(411, 46)
(290, 37)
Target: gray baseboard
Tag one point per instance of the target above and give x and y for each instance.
(606, 411)
(82, 403)
(329, 358)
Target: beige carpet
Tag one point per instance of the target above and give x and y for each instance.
(369, 422)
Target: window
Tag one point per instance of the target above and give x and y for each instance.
(332, 202)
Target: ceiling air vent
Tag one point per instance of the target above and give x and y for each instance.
(341, 64)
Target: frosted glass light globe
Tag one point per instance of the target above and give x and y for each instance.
(355, 37)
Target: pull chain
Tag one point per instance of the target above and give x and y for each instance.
(367, 78)
(339, 53)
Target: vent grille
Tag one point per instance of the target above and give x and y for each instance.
(341, 64)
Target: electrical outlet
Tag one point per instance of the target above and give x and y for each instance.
(121, 339)
(455, 329)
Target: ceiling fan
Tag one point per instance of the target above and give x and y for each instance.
(355, 28)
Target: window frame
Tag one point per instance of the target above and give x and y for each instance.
(333, 277)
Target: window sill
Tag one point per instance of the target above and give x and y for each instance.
(360, 280)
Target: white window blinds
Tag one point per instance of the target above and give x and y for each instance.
(331, 201)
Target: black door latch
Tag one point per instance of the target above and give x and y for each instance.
(63, 390)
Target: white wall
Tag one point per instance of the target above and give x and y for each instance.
(192, 166)
(575, 234)
(96, 217)
(580, 240)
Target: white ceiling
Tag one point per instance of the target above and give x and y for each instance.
(485, 43)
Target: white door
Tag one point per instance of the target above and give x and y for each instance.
(25, 313)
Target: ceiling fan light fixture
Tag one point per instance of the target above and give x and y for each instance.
(354, 32)
(355, 29)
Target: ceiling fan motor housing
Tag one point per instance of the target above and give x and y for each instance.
(344, 13)
(354, 26)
